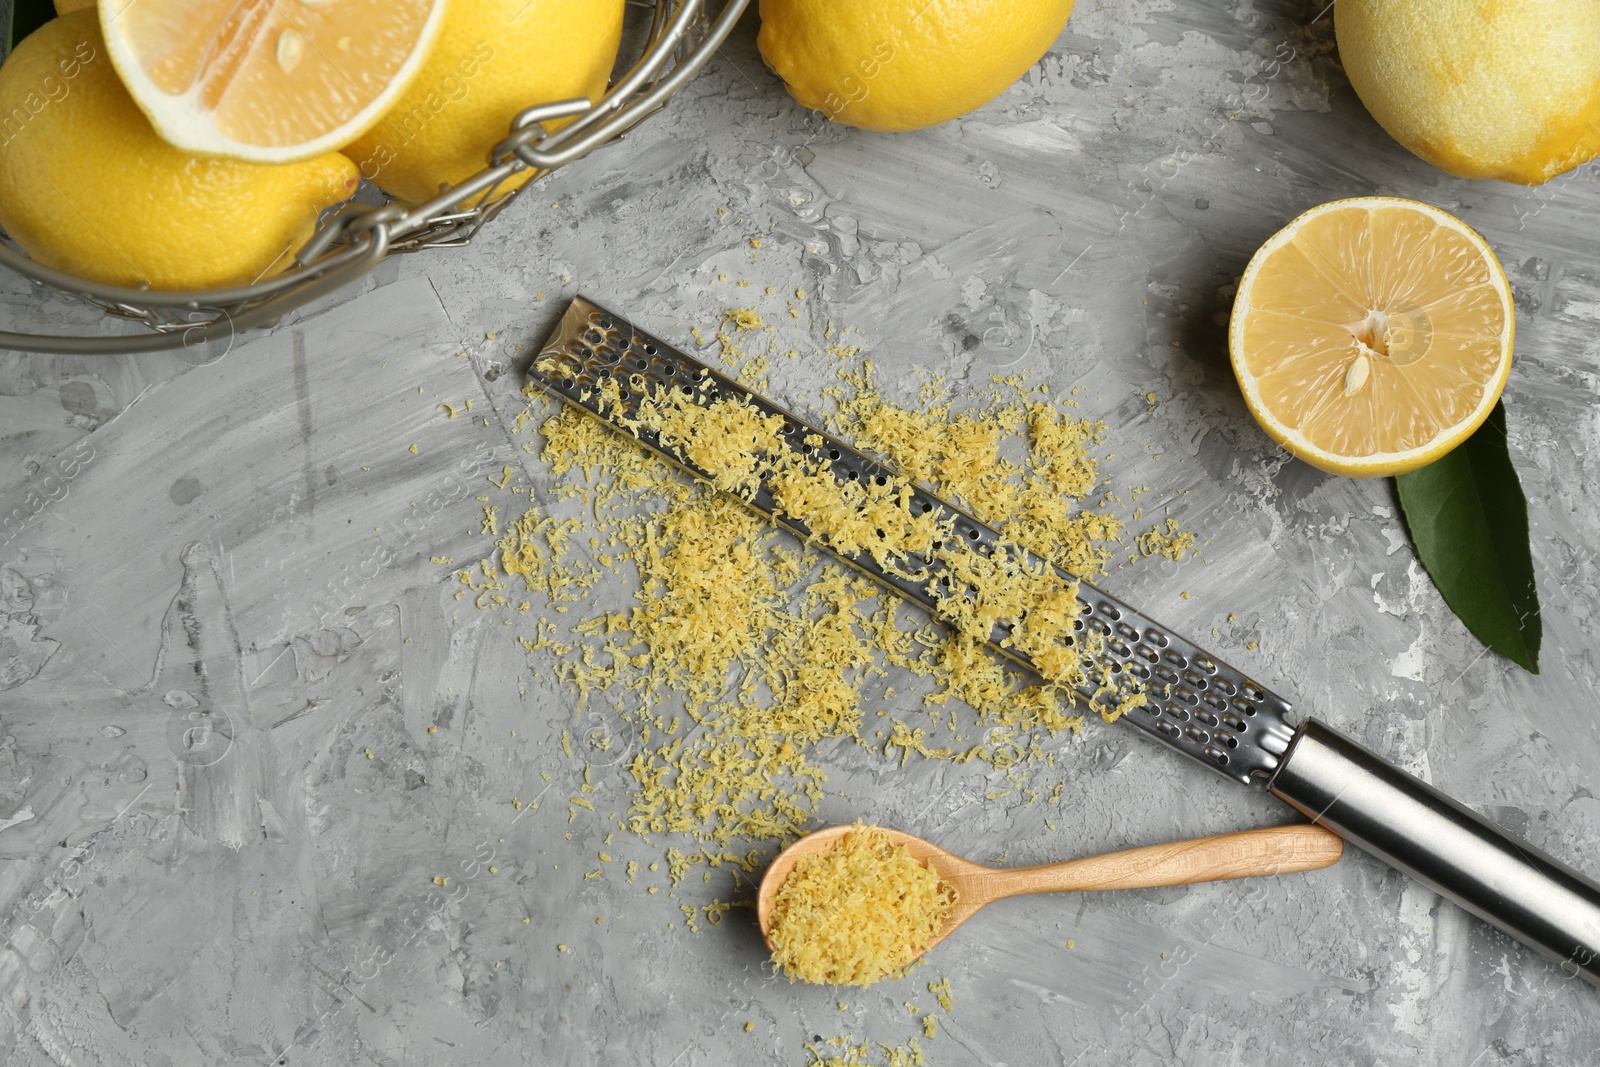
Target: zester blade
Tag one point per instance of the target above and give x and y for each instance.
(1197, 704)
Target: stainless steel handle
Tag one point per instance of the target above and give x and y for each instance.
(1444, 845)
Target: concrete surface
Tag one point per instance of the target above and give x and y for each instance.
(222, 641)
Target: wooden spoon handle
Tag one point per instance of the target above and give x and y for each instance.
(1275, 850)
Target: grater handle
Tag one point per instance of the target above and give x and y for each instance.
(1444, 845)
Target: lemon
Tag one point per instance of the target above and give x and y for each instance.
(1506, 89)
(904, 64)
(1371, 336)
(86, 185)
(263, 81)
(493, 59)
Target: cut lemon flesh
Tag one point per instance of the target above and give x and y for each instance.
(270, 82)
(1371, 336)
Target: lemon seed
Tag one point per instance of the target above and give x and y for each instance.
(1356, 376)
(291, 46)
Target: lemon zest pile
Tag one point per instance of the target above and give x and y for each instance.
(984, 593)
(858, 911)
(741, 655)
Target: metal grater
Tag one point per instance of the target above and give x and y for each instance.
(1198, 704)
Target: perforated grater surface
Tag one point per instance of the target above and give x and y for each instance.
(1198, 705)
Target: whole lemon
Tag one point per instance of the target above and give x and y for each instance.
(87, 187)
(904, 64)
(1506, 89)
(493, 59)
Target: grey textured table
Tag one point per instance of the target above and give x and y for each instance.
(251, 535)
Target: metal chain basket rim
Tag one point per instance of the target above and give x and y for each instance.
(353, 238)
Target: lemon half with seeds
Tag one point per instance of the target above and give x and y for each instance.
(267, 82)
(1371, 336)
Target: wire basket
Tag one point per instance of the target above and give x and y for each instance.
(678, 38)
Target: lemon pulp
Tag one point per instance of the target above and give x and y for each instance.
(1370, 336)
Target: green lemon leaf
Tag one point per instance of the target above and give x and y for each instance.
(1469, 521)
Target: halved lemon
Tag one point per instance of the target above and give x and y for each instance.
(1372, 335)
(270, 81)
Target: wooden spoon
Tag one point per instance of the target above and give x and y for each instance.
(1275, 850)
